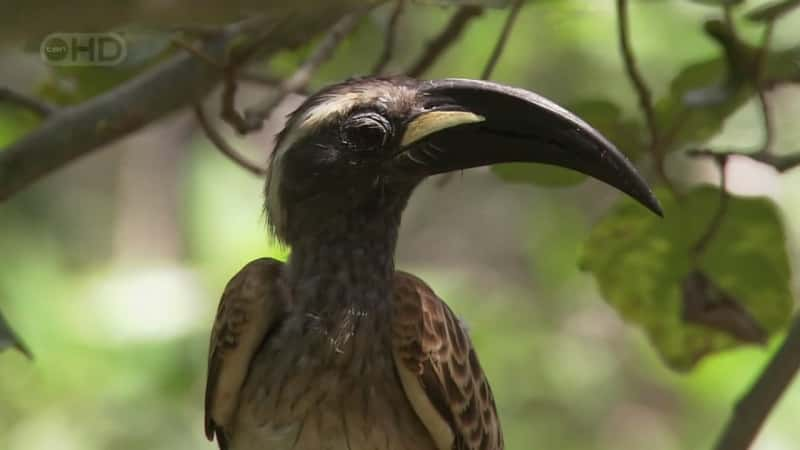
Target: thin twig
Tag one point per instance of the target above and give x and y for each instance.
(222, 145)
(36, 106)
(198, 53)
(230, 84)
(228, 112)
(722, 208)
(255, 115)
(727, 12)
(447, 37)
(644, 94)
(261, 79)
(183, 79)
(391, 37)
(231, 70)
(636, 78)
(767, 123)
(763, 99)
(773, 11)
(78, 130)
(781, 163)
(242, 75)
(774, 83)
(763, 51)
(752, 409)
(502, 39)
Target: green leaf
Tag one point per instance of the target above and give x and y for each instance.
(772, 11)
(703, 95)
(699, 101)
(9, 339)
(603, 115)
(643, 266)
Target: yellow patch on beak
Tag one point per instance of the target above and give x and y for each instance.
(428, 123)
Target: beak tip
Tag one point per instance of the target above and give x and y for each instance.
(656, 208)
(650, 201)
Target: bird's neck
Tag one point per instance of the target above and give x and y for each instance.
(347, 264)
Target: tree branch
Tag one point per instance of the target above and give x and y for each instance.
(447, 37)
(763, 98)
(502, 39)
(255, 115)
(752, 410)
(25, 19)
(642, 92)
(77, 130)
(636, 78)
(490, 65)
(231, 68)
(781, 163)
(767, 122)
(391, 37)
(36, 106)
(259, 78)
(773, 11)
(222, 145)
(184, 79)
(716, 220)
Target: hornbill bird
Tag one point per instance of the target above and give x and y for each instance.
(335, 350)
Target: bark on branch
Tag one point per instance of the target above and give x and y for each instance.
(184, 79)
(752, 410)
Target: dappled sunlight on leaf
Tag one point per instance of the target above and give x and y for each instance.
(698, 103)
(640, 263)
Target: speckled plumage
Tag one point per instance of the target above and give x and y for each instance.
(326, 376)
(335, 350)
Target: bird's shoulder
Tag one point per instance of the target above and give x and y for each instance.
(440, 371)
(253, 302)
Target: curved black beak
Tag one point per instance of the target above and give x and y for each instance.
(470, 123)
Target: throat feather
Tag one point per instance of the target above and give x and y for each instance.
(344, 273)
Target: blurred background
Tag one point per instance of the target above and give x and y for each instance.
(112, 267)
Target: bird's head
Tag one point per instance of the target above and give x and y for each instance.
(363, 145)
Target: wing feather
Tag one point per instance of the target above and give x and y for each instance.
(440, 371)
(253, 302)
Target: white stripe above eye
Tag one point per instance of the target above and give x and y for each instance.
(324, 110)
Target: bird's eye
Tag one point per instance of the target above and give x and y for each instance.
(366, 131)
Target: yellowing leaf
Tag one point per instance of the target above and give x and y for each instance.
(641, 264)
